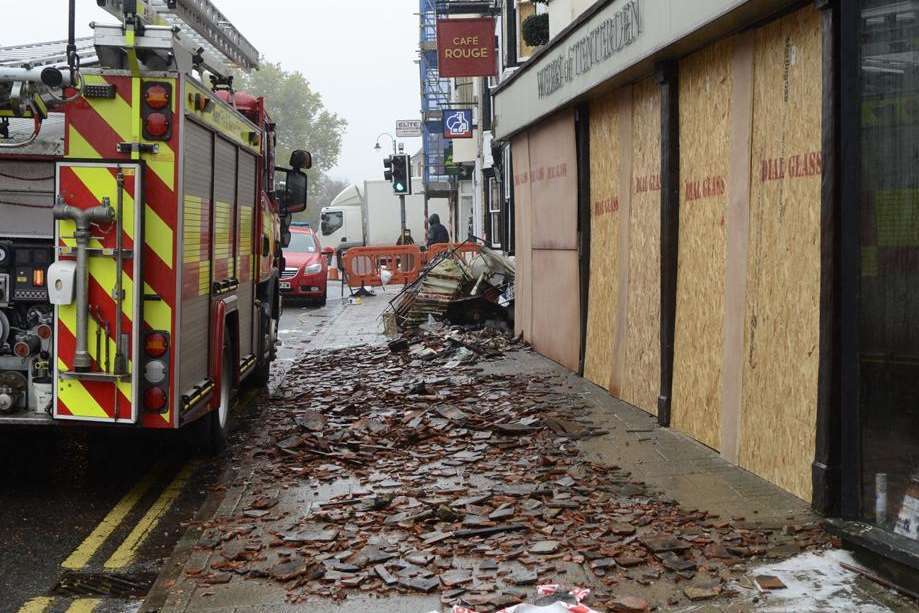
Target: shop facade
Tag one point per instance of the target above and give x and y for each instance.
(686, 240)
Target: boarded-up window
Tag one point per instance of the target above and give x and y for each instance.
(545, 175)
(781, 326)
(641, 368)
(605, 194)
(705, 97)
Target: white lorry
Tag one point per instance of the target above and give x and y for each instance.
(371, 215)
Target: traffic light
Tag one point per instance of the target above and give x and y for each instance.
(387, 164)
(401, 175)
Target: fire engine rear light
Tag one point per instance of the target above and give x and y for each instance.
(156, 345)
(43, 331)
(38, 277)
(154, 399)
(156, 125)
(155, 371)
(157, 97)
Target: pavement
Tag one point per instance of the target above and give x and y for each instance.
(674, 468)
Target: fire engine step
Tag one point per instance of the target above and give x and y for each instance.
(111, 585)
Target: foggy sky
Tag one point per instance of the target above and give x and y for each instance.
(359, 54)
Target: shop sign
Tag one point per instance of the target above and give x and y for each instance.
(466, 47)
(408, 128)
(601, 43)
(458, 123)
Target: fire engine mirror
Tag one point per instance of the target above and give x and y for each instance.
(301, 160)
(295, 192)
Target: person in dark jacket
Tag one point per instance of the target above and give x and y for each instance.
(437, 232)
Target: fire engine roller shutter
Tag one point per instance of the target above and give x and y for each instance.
(245, 261)
(224, 260)
(777, 424)
(549, 302)
(196, 266)
(26, 198)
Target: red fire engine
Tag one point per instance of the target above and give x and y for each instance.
(140, 232)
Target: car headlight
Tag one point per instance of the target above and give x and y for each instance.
(312, 268)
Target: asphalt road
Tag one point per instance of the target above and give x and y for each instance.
(87, 518)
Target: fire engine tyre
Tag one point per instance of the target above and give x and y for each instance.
(212, 429)
(262, 372)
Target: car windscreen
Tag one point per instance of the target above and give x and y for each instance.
(301, 242)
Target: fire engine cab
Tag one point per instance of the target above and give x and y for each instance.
(140, 228)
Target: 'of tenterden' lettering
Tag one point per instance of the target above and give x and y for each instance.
(601, 43)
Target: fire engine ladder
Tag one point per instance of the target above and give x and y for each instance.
(31, 76)
(199, 25)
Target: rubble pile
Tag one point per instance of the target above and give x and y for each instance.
(407, 469)
(460, 287)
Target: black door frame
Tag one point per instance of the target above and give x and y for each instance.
(582, 145)
(850, 190)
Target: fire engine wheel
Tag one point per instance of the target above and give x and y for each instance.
(212, 429)
(263, 370)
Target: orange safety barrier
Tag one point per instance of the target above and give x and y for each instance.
(362, 264)
(467, 251)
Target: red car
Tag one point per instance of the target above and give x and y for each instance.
(306, 267)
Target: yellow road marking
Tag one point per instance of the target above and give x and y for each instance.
(127, 551)
(90, 545)
(36, 605)
(84, 605)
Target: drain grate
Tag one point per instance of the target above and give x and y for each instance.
(110, 585)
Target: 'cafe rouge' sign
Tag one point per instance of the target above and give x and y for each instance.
(466, 47)
(600, 44)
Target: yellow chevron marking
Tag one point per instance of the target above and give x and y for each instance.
(158, 235)
(127, 551)
(101, 182)
(71, 392)
(164, 166)
(114, 111)
(79, 147)
(157, 314)
(36, 605)
(91, 544)
(84, 605)
(119, 115)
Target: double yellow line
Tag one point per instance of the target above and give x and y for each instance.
(126, 552)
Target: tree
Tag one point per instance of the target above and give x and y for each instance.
(302, 118)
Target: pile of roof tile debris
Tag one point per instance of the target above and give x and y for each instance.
(459, 287)
(411, 469)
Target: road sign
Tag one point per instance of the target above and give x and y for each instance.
(408, 128)
(458, 123)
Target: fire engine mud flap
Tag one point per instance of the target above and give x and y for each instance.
(95, 378)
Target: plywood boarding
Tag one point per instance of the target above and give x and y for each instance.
(556, 306)
(641, 385)
(554, 183)
(604, 240)
(555, 279)
(780, 363)
(625, 207)
(520, 154)
(705, 95)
